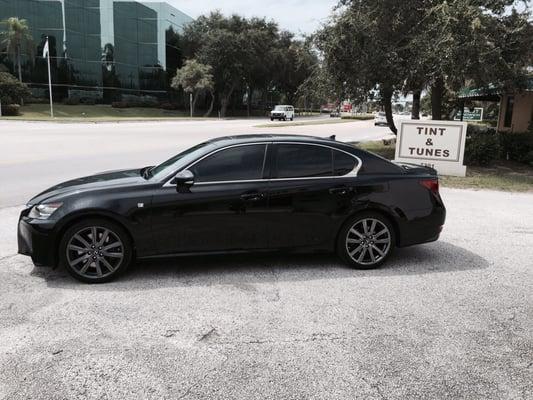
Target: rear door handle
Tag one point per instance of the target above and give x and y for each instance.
(252, 196)
(343, 190)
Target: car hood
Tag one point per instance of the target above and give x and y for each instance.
(98, 181)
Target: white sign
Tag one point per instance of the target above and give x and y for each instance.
(435, 144)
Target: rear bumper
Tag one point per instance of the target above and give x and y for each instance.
(423, 228)
(36, 241)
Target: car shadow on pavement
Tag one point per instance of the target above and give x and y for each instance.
(275, 267)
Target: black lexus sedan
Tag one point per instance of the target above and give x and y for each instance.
(235, 194)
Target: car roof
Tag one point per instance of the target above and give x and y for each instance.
(244, 139)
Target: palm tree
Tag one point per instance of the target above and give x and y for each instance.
(15, 38)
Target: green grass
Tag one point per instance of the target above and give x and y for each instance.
(504, 175)
(359, 117)
(275, 124)
(85, 113)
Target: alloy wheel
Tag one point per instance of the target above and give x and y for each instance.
(368, 241)
(95, 252)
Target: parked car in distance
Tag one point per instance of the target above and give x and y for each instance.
(282, 113)
(235, 194)
(380, 119)
(335, 113)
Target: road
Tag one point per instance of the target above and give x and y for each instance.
(451, 319)
(37, 155)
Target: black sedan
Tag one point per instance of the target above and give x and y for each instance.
(235, 194)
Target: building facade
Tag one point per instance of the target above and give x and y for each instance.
(100, 49)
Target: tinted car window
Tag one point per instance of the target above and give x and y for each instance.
(343, 163)
(301, 161)
(233, 164)
(373, 164)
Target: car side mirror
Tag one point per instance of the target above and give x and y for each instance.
(183, 178)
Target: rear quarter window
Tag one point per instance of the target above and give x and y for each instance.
(374, 164)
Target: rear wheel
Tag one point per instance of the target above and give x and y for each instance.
(95, 250)
(366, 241)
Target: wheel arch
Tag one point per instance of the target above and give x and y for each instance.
(74, 219)
(383, 211)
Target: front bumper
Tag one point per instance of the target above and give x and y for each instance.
(37, 241)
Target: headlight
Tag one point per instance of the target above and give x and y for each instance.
(44, 211)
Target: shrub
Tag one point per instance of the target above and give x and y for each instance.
(88, 101)
(482, 145)
(71, 101)
(11, 110)
(11, 90)
(168, 106)
(517, 146)
(119, 104)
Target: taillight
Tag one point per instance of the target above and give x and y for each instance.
(431, 184)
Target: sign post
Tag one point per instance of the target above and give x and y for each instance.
(436, 144)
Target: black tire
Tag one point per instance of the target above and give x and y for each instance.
(107, 265)
(292, 119)
(371, 241)
(272, 119)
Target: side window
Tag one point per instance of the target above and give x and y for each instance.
(233, 164)
(303, 161)
(343, 163)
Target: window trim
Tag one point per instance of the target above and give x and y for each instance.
(352, 174)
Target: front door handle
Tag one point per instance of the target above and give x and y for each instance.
(256, 196)
(342, 190)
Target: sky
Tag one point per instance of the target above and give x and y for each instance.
(297, 16)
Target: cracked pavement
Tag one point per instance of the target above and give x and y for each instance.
(451, 319)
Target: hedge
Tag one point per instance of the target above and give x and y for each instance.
(517, 147)
(361, 117)
(482, 145)
(485, 145)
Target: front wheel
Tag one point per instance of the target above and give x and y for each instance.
(95, 250)
(366, 241)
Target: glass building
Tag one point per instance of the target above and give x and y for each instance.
(99, 49)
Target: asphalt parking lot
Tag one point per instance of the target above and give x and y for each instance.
(451, 319)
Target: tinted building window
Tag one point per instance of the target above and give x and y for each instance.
(98, 47)
(303, 161)
(236, 163)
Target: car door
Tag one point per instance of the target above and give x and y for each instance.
(224, 209)
(310, 193)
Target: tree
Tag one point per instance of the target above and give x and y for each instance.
(222, 43)
(478, 42)
(195, 78)
(361, 47)
(294, 62)
(12, 90)
(16, 39)
(248, 55)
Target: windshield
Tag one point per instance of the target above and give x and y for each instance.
(175, 163)
(279, 108)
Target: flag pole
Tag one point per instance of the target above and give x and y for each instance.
(49, 79)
